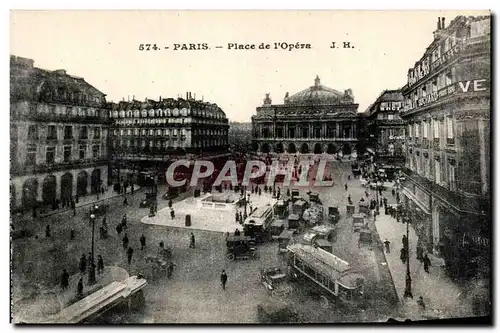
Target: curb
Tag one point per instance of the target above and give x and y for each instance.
(379, 242)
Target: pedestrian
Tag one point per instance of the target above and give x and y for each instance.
(143, 242)
(404, 255)
(251, 209)
(345, 186)
(83, 264)
(421, 303)
(169, 203)
(125, 202)
(130, 252)
(404, 240)
(223, 279)
(427, 263)
(125, 241)
(387, 246)
(65, 279)
(47, 231)
(192, 243)
(393, 192)
(366, 193)
(241, 218)
(237, 232)
(119, 229)
(131, 188)
(100, 264)
(72, 234)
(90, 260)
(420, 253)
(124, 221)
(102, 190)
(73, 207)
(287, 192)
(348, 177)
(172, 213)
(170, 269)
(79, 289)
(237, 217)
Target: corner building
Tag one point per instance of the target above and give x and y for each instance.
(447, 173)
(148, 136)
(385, 129)
(314, 121)
(58, 136)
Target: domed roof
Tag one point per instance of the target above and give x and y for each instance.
(317, 94)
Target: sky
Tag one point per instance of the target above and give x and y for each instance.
(103, 47)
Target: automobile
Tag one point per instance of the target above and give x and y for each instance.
(324, 231)
(333, 214)
(284, 239)
(309, 238)
(240, 247)
(275, 280)
(276, 228)
(149, 200)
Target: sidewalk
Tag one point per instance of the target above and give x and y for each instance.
(440, 294)
(82, 202)
(52, 301)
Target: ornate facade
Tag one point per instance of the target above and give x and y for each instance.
(149, 135)
(316, 120)
(58, 131)
(447, 111)
(384, 128)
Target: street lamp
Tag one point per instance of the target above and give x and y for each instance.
(408, 293)
(92, 263)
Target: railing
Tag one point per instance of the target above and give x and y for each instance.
(450, 141)
(52, 167)
(48, 117)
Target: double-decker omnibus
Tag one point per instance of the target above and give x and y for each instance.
(257, 224)
(332, 275)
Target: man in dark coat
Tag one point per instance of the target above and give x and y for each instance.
(47, 231)
(100, 264)
(223, 279)
(192, 242)
(73, 207)
(143, 241)
(79, 288)
(427, 263)
(404, 255)
(130, 252)
(172, 213)
(387, 246)
(404, 240)
(83, 264)
(65, 279)
(125, 241)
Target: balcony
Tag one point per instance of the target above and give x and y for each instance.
(54, 167)
(436, 143)
(465, 203)
(450, 141)
(425, 143)
(59, 118)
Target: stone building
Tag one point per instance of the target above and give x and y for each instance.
(447, 172)
(314, 121)
(147, 136)
(385, 129)
(58, 131)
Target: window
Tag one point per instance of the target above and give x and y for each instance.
(68, 132)
(31, 155)
(51, 132)
(417, 130)
(410, 133)
(67, 153)
(450, 135)
(33, 132)
(451, 175)
(437, 171)
(96, 151)
(84, 132)
(83, 150)
(97, 133)
(50, 155)
(435, 129)
(425, 129)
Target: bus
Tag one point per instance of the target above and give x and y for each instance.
(257, 224)
(331, 275)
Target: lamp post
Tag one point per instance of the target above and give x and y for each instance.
(92, 263)
(408, 293)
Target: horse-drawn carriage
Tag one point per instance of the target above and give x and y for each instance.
(240, 247)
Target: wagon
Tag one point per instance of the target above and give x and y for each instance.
(240, 247)
(333, 214)
(358, 222)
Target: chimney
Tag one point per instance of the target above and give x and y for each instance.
(187, 95)
(159, 99)
(133, 97)
(439, 24)
(195, 96)
(128, 98)
(442, 23)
